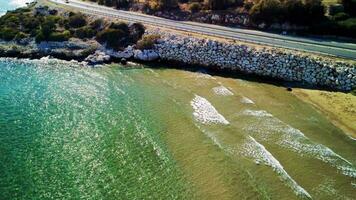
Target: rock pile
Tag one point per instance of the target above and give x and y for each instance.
(98, 57)
(264, 62)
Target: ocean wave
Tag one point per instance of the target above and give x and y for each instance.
(246, 100)
(205, 112)
(257, 151)
(270, 128)
(223, 91)
(257, 113)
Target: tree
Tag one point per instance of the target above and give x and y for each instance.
(77, 20)
(163, 4)
(267, 11)
(47, 27)
(349, 6)
(113, 38)
(216, 4)
(136, 31)
(315, 11)
(121, 3)
(294, 11)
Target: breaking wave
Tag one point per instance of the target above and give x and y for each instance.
(205, 113)
(271, 128)
(246, 100)
(223, 91)
(257, 151)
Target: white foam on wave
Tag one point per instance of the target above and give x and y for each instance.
(246, 100)
(291, 138)
(327, 190)
(257, 151)
(223, 91)
(257, 113)
(354, 139)
(205, 113)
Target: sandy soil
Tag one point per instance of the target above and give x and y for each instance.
(339, 107)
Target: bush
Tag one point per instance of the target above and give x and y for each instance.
(30, 23)
(47, 27)
(98, 24)
(40, 37)
(8, 33)
(194, 7)
(349, 6)
(19, 36)
(340, 16)
(335, 8)
(353, 92)
(348, 27)
(85, 32)
(304, 12)
(216, 4)
(77, 20)
(113, 38)
(147, 42)
(267, 11)
(120, 26)
(59, 37)
(136, 31)
(54, 36)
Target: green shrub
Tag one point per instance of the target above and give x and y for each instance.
(47, 27)
(19, 36)
(349, 6)
(147, 42)
(77, 20)
(194, 7)
(136, 31)
(8, 34)
(348, 27)
(85, 32)
(353, 92)
(59, 37)
(304, 12)
(267, 11)
(113, 38)
(30, 22)
(120, 26)
(340, 16)
(54, 36)
(98, 24)
(216, 4)
(40, 37)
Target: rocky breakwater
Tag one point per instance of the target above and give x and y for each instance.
(269, 62)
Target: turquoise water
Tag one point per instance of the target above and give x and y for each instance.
(69, 131)
(6, 5)
(74, 133)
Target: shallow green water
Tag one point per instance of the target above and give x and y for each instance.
(72, 132)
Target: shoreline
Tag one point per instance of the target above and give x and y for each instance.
(175, 48)
(337, 107)
(321, 99)
(300, 70)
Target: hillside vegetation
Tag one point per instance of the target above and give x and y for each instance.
(44, 24)
(310, 16)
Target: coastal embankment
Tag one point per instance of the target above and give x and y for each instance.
(268, 62)
(219, 55)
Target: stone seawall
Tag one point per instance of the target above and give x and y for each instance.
(271, 62)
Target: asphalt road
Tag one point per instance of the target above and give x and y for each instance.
(321, 46)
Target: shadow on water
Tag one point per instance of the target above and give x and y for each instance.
(230, 73)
